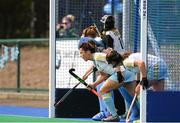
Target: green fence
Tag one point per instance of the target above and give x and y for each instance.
(27, 73)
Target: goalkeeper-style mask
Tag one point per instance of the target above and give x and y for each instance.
(108, 21)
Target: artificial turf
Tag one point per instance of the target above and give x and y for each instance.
(9, 118)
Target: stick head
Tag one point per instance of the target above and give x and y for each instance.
(71, 70)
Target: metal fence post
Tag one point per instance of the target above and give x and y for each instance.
(18, 68)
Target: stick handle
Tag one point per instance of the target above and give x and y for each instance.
(66, 95)
(84, 83)
(130, 108)
(96, 93)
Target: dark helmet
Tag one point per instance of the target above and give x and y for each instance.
(108, 21)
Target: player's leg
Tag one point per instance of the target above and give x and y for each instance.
(103, 110)
(108, 86)
(128, 99)
(130, 89)
(157, 85)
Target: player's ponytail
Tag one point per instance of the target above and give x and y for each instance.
(120, 77)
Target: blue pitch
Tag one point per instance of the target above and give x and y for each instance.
(25, 111)
(31, 111)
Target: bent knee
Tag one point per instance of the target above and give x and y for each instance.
(102, 91)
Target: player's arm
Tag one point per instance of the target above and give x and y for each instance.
(136, 63)
(142, 67)
(88, 71)
(144, 82)
(137, 78)
(100, 78)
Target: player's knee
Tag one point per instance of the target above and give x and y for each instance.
(102, 91)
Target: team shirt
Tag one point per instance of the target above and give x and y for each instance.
(118, 44)
(156, 67)
(102, 66)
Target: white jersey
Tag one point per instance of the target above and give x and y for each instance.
(128, 75)
(118, 44)
(102, 66)
(100, 63)
(156, 67)
(152, 60)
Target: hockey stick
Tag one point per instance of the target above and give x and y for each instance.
(83, 82)
(130, 108)
(66, 95)
(69, 92)
(91, 16)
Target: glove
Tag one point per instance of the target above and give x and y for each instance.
(144, 82)
(137, 81)
(95, 69)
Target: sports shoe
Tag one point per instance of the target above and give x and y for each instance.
(99, 116)
(111, 119)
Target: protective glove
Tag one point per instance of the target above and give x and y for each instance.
(137, 81)
(144, 82)
(95, 69)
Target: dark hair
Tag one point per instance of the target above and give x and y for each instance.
(120, 77)
(89, 46)
(115, 57)
(109, 23)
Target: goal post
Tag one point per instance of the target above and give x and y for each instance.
(156, 32)
(160, 28)
(159, 36)
(52, 59)
(143, 50)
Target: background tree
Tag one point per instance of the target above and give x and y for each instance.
(24, 18)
